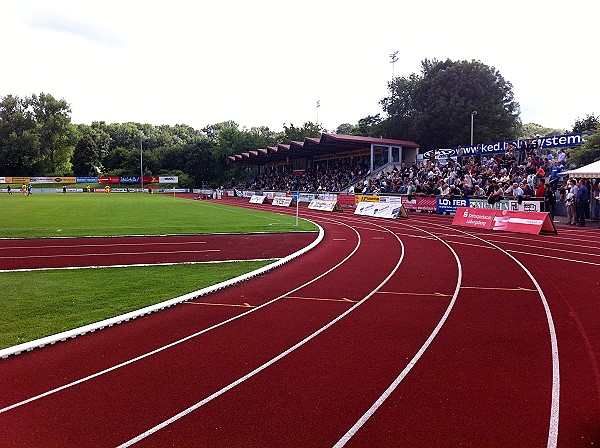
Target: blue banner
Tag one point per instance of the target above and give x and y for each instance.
(450, 204)
(552, 141)
(87, 180)
(130, 179)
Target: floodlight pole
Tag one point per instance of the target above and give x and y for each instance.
(472, 115)
(141, 166)
(394, 59)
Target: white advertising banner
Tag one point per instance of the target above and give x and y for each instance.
(381, 210)
(168, 179)
(325, 205)
(255, 199)
(282, 201)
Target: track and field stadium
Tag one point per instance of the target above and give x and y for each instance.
(370, 332)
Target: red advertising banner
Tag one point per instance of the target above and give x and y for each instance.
(482, 218)
(346, 199)
(151, 179)
(504, 220)
(109, 179)
(417, 203)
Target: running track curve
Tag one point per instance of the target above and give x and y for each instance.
(444, 334)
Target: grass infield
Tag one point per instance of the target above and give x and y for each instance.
(99, 214)
(40, 303)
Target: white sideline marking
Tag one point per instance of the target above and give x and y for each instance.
(265, 365)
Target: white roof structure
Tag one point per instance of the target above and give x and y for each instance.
(591, 170)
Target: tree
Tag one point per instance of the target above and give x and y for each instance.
(292, 133)
(588, 152)
(530, 130)
(18, 139)
(56, 134)
(435, 108)
(85, 158)
(199, 162)
(588, 124)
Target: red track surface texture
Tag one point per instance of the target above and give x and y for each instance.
(80, 252)
(389, 333)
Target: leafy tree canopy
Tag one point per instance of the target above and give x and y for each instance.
(435, 107)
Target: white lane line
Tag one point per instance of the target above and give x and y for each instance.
(71, 246)
(265, 365)
(426, 294)
(367, 415)
(112, 254)
(555, 402)
(343, 299)
(182, 340)
(244, 305)
(138, 265)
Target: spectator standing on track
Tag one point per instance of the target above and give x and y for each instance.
(582, 201)
(9, 189)
(570, 203)
(595, 204)
(550, 201)
(64, 189)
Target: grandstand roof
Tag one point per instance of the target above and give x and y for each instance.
(310, 147)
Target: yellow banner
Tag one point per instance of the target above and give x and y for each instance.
(65, 180)
(365, 198)
(19, 180)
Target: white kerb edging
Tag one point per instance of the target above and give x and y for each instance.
(49, 340)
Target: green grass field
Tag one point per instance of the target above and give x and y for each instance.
(81, 214)
(41, 303)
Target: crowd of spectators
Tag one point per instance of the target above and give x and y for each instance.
(329, 175)
(516, 172)
(507, 174)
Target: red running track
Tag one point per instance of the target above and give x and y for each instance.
(458, 327)
(44, 253)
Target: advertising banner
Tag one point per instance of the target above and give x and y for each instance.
(86, 180)
(365, 198)
(109, 180)
(445, 205)
(474, 217)
(42, 180)
(4, 181)
(552, 141)
(325, 205)
(168, 179)
(346, 199)
(523, 222)
(20, 180)
(65, 180)
(130, 180)
(526, 205)
(420, 203)
(282, 201)
(257, 199)
(504, 220)
(151, 179)
(389, 211)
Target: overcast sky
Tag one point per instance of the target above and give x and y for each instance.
(268, 62)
